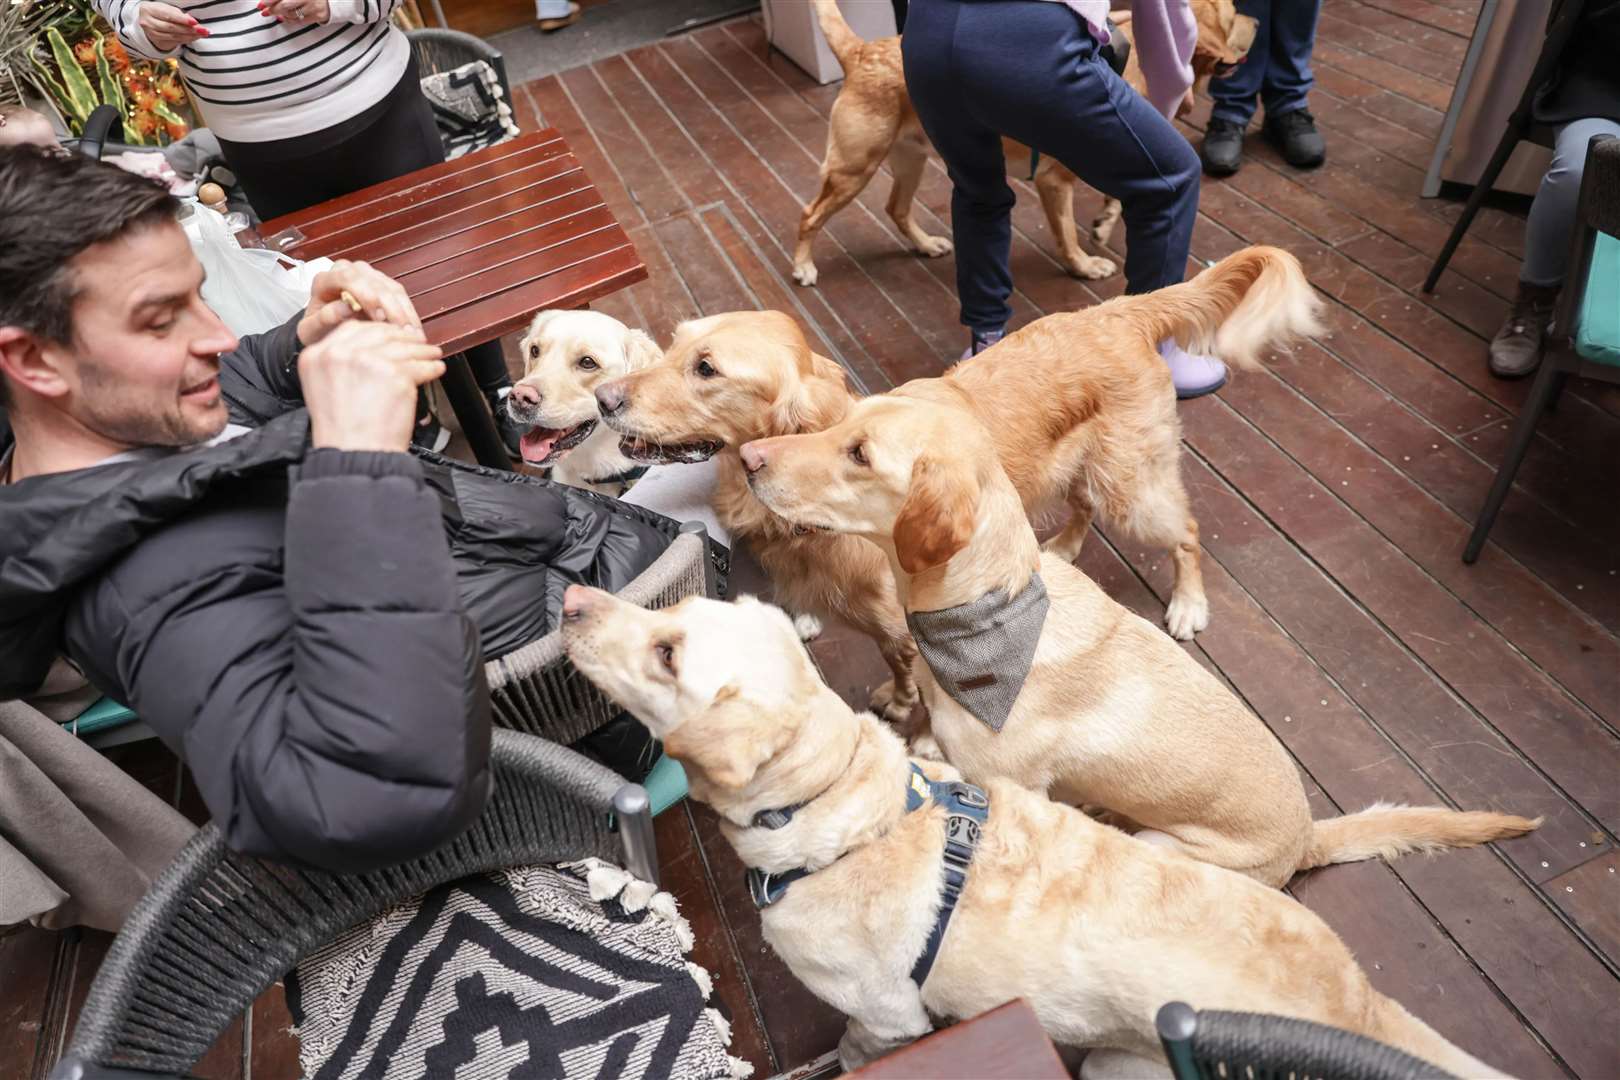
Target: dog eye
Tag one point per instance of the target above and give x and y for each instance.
(666, 655)
(857, 454)
(587, 363)
(534, 352)
(705, 369)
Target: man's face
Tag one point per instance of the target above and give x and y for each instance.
(143, 366)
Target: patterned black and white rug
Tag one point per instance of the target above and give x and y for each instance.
(528, 974)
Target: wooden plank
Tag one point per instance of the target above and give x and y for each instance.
(558, 108)
(686, 86)
(1520, 605)
(26, 955)
(1590, 895)
(1434, 93)
(478, 321)
(683, 871)
(484, 253)
(1546, 974)
(650, 187)
(703, 266)
(1008, 1041)
(560, 193)
(274, 1048)
(435, 181)
(1517, 700)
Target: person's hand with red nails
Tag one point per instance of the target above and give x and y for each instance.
(296, 11)
(167, 27)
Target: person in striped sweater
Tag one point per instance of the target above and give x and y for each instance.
(310, 100)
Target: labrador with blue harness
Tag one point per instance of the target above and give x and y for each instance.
(901, 896)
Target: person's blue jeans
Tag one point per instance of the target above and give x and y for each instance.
(1028, 69)
(1552, 216)
(1277, 72)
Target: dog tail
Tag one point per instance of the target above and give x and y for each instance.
(1251, 301)
(1393, 1025)
(843, 41)
(1383, 831)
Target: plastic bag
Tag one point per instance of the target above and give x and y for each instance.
(251, 289)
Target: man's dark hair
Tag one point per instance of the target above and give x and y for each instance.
(53, 206)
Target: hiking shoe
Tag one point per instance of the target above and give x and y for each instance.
(1517, 347)
(510, 431)
(982, 340)
(1193, 374)
(429, 434)
(1222, 148)
(1296, 136)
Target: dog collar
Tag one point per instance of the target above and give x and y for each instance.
(981, 652)
(967, 808)
(628, 477)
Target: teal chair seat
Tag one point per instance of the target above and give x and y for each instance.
(1597, 334)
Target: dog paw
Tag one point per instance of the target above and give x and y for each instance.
(925, 746)
(1093, 267)
(893, 708)
(807, 626)
(1186, 617)
(935, 246)
(805, 275)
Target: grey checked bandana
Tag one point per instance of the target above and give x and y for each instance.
(981, 652)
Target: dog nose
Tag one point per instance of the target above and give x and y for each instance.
(526, 393)
(576, 601)
(753, 457)
(609, 398)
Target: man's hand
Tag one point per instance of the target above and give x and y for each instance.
(360, 383)
(296, 11)
(167, 27)
(381, 298)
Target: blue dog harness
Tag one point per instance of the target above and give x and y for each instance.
(967, 808)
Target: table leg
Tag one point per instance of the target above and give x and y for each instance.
(472, 413)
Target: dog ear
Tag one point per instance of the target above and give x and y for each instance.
(728, 741)
(938, 517)
(818, 400)
(640, 350)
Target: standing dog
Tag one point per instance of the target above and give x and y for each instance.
(1034, 674)
(1080, 404)
(1094, 929)
(872, 118)
(566, 356)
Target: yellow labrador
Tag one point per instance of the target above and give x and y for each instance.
(1034, 674)
(873, 119)
(566, 356)
(1093, 928)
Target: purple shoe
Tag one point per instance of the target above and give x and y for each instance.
(980, 341)
(1194, 375)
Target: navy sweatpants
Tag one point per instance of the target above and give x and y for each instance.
(1029, 69)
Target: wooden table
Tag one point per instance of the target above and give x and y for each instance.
(480, 243)
(1005, 1042)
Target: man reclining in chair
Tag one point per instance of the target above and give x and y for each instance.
(231, 538)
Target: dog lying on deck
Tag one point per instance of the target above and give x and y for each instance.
(1093, 928)
(872, 119)
(566, 355)
(1035, 675)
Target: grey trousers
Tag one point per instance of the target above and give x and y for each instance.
(1552, 215)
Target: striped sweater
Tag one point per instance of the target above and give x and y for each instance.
(256, 79)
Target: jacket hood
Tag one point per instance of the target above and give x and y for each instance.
(61, 530)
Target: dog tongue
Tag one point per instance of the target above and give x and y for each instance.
(536, 444)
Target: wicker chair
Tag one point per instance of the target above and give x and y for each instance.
(218, 928)
(1214, 1045)
(536, 690)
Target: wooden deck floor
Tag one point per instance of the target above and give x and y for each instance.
(1334, 494)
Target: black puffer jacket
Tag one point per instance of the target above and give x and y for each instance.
(306, 628)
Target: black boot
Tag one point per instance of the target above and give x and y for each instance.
(1296, 136)
(1222, 149)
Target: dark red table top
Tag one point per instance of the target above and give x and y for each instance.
(482, 242)
(1005, 1042)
